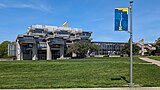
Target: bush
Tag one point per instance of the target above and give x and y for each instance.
(121, 55)
(106, 56)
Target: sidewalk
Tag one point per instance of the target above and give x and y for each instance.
(156, 62)
(135, 88)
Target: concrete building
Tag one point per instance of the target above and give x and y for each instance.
(114, 48)
(145, 48)
(42, 42)
(109, 48)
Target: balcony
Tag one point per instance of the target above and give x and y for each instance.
(42, 45)
(65, 36)
(38, 34)
(74, 38)
(84, 36)
(28, 41)
(56, 41)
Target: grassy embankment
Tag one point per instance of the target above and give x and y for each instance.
(92, 72)
(154, 57)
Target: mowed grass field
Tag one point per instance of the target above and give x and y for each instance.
(154, 57)
(89, 72)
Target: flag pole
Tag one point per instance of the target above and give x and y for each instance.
(131, 41)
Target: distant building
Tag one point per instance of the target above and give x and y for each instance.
(46, 42)
(114, 48)
(109, 48)
(146, 48)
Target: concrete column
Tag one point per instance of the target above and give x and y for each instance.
(74, 55)
(49, 53)
(19, 52)
(62, 51)
(88, 53)
(143, 50)
(34, 52)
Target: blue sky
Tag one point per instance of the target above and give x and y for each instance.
(91, 15)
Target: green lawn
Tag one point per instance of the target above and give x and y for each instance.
(91, 72)
(154, 57)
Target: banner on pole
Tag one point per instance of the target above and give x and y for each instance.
(121, 19)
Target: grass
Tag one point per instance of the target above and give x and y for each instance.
(154, 57)
(91, 72)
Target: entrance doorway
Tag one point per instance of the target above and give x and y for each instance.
(42, 55)
(27, 55)
(55, 54)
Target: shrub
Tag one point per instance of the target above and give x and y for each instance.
(106, 56)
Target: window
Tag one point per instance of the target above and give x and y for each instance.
(68, 41)
(72, 34)
(42, 45)
(38, 31)
(26, 46)
(50, 33)
(63, 32)
(55, 46)
(28, 38)
(85, 34)
(41, 40)
(57, 39)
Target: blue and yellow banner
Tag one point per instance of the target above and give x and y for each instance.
(121, 19)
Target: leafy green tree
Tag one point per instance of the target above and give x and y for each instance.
(93, 47)
(158, 44)
(82, 48)
(4, 49)
(126, 49)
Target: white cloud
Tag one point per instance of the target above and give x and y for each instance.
(39, 7)
(2, 5)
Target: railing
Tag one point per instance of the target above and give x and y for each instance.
(84, 36)
(28, 41)
(57, 42)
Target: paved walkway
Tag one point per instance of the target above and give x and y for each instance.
(135, 88)
(156, 62)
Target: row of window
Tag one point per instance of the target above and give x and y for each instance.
(28, 38)
(38, 31)
(106, 52)
(109, 49)
(42, 45)
(61, 32)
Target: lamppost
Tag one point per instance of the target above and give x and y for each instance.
(118, 27)
(131, 41)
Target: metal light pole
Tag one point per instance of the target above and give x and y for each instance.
(131, 64)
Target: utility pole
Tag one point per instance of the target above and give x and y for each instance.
(131, 41)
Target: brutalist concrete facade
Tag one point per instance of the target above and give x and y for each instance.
(43, 42)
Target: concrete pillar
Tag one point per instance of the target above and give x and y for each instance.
(88, 53)
(49, 53)
(74, 55)
(143, 50)
(62, 51)
(141, 45)
(34, 52)
(19, 51)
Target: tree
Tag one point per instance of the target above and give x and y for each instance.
(82, 48)
(126, 49)
(4, 49)
(158, 44)
(158, 41)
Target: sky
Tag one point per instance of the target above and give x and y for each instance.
(96, 16)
